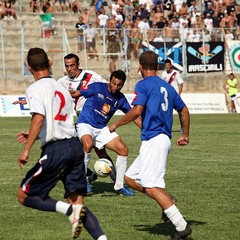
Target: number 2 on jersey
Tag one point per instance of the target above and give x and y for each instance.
(58, 116)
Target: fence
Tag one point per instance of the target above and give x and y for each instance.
(120, 47)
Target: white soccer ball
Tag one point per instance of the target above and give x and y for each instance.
(103, 167)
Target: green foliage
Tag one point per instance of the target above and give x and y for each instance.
(204, 177)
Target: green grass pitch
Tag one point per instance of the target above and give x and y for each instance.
(204, 176)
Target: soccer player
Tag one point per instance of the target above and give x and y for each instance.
(231, 87)
(62, 157)
(154, 102)
(103, 100)
(74, 79)
(174, 78)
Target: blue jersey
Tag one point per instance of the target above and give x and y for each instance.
(101, 105)
(158, 99)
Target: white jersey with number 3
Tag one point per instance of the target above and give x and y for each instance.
(52, 100)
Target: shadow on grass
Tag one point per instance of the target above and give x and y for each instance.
(103, 188)
(166, 229)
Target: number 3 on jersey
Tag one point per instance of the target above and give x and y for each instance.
(58, 116)
(165, 96)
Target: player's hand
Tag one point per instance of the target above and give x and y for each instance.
(22, 137)
(20, 102)
(182, 141)
(112, 127)
(23, 158)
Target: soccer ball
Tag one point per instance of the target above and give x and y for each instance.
(103, 167)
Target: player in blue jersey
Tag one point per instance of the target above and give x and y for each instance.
(62, 157)
(154, 102)
(103, 100)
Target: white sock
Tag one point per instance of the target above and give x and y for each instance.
(103, 237)
(87, 158)
(176, 218)
(121, 166)
(62, 207)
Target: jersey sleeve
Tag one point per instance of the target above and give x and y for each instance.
(178, 103)
(88, 91)
(179, 78)
(35, 101)
(125, 106)
(140, 95)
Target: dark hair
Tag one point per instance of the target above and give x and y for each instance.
(149, 60)
(168, 61)
(71, 55)
(37, 59)
(119, 74)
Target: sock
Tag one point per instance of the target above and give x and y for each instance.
(64, 208)
(176, 218)
(87, 158)
(36, 202)
(103, 237)
(92, 225)
(121, 166)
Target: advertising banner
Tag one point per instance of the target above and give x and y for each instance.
(232, 56)
(198, 103)
(207, 57)
(172, 51)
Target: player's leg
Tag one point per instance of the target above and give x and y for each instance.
(154, 153)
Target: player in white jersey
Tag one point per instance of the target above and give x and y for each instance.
(62, 157)
(172, 76)
(74, 79)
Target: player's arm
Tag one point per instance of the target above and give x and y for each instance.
(132, 115)
(75, 93)
(35, 128)
(20, 102)
(180, 88)
(138, 122)
(185, 122)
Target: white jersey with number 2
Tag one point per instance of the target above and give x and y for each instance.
(52, 100)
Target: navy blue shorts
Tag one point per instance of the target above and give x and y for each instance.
(60, 160)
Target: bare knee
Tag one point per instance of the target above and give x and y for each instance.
(21, 195)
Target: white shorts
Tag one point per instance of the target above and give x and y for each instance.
(149, 168)
(100, 136)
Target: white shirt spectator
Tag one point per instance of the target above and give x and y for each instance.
(143, 26)
(208, 23)
(103, 20)
(193, 36)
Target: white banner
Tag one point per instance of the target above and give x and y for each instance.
(232, 56)
(197, 103)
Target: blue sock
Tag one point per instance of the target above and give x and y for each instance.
(48, 204)
(92, 225)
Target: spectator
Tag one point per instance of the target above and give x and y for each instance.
(161, 23)
(128, 24)
(8, 10)
(199, 22)
(118, 18)
(114, 6)
(230, 7)
(136, 40)
(168, 32)
(34, 6)
(152, 33)
(136, 14)
(183, 21)
(112, 23)
(193, 8)
(74, 6)
(80, 26)
(208, 22)
(144, 12)
(159, 37)
(90, 34)
(225, 20)
(193, 18)
(229, 35)
(62, 5)
(128, 9)
(167, 8)
(157, 15)
(1, 11)
(194, 36)
(183, 10)
(233, 20)
(209, 11)
(143, 26)
(86, 15)
(102, 19)
(206, 37)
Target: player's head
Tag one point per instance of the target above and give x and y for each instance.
(37, 60)
(117, 80)
(148, 61)
(231, 76)
(168, 65)
(72, 65)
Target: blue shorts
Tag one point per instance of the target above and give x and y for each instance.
(60, 160)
